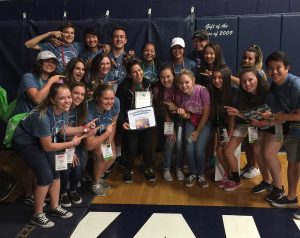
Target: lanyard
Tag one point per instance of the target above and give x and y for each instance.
(55, 131)
(100, 118)
(63, 54)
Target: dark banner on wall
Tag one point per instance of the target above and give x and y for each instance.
(223, 31)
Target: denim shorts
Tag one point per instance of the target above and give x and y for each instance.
(292, 147)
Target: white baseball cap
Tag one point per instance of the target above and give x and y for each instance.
(46, 54)
(177, 41)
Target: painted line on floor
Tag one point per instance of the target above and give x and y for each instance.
(94, 223)
(240, 226)
(165, 225)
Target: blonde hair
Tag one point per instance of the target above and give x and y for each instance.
(186, 72)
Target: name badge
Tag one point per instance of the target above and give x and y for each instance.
(70, 154)
(168, 128)
(61, 162)
(223, 135)
(252, 134)
(142, 99)
(107, 151)
(279, 133)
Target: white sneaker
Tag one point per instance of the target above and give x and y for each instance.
(251, 173)
(167, 175)
(179, 175)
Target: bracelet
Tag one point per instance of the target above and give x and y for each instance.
(74, 142)
(85, 128)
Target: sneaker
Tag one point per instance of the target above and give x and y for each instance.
(127, 176)
(98, 190)
(65, 200)
(150, 175)
(75, 197)
(244, 169)
(179, 174)
(251, 173)
(296, 214)
(276, 194)
(30, 201)
(285, 202)
(231, 185)
(190, 180)
(167, 175)
(42, 221)
(222, 183)
(60, 212)
(202, 181)
(105, 184)
(262, 187)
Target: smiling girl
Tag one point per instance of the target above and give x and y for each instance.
(36, 142)
(193, 105)
(149, 62)
(75, 70)
(253, 91)
(77, 117)
(222, 93)
(35, 86)
(105, 107)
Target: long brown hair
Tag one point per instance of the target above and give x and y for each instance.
(246, 98)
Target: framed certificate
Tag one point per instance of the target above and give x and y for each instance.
(141, 118)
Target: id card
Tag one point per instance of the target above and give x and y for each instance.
(223, 135)
(168, 128)
(106, 151)
(70, 154)
(142, 99)
(252, 134)
(61, 162)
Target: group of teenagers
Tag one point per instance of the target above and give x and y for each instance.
(78, 96)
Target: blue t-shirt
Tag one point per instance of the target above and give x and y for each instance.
(120, 70)
(87, 55)
(150, 72)
(104, 119)
(24, 103)
(187, 64)
(73, 118)
(35, 125)
(63, 53)
(287, 94)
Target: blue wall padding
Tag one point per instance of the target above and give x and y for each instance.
(263, 31)
(290, 40)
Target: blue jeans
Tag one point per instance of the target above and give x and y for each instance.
(196, 150)
(169, 148)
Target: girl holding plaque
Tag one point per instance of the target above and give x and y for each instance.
(135, 92)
